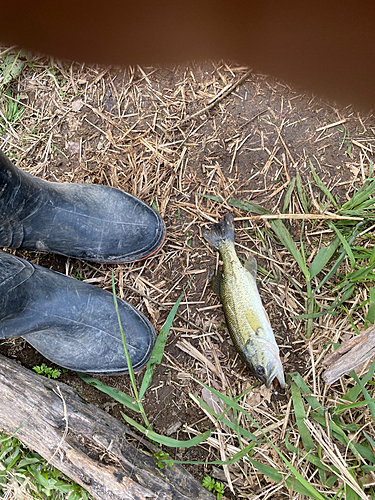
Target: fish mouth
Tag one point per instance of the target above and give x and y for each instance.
(275, 371)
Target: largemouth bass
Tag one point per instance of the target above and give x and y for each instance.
(245, 316)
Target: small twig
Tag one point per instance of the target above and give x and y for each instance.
(58, 392)
(192, 351)
(218, 98)
(326, 216)
(325, 127)
(7, 50)
(362, 146)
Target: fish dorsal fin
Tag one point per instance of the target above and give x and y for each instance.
(251, 266)
(215, 283)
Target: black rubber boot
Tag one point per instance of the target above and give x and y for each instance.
(84, 221)
(71, 323)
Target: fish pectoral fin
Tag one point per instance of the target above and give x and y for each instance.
(251, 266)
(215, 283)
(253, 320)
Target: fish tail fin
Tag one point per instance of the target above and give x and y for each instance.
(220, 233)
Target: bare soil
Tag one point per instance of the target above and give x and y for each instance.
(153, 132)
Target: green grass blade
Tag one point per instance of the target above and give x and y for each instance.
(338, 433)
(224, 420)
(333, 270)
(305, 389)
(128, 360)
(167, 441)
(12, 68)
(323, 256)
(365, 393)
(295, 485)
(360, 197)
(310, 489)
(288, 195)
(301, 194)
(299, 412)
(372, 256)
(117, 395)
(232, 460)
(370, 317)
(359, 274)
(248, 206)
(368, 468)
(354, 392)
(310, 457)
(158, 350)
(359, 404)
(344, 243)
(322, 186)
(266, 470)
(291, 483)
(333, 309)
(285, 238)
(365, 452)
(226, 399)
(369, 439)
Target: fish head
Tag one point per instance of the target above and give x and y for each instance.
(266, 364)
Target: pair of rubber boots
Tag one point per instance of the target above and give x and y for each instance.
(72, 323)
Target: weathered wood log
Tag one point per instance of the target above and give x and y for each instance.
(349, 355)
(84, 442)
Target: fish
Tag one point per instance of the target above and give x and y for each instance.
(245, 316)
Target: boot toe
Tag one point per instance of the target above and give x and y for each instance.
(86, 337)
(95, 223)
(72, 323)
(83, 221)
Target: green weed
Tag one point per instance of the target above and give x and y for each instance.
(47, 371)
(12, 65)
(12, 111)
(163, 459)
(26, 471)
(211, 485)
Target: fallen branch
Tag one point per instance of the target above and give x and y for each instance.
(350, 355)
(84, 442)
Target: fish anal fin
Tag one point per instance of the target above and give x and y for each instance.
(215, 283)
(251, 266)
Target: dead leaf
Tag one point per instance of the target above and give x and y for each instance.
(266, 393)
(72, 148)
(254, 398)
(77, 105)
(212, 401)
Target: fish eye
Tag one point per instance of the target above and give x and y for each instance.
(260, 370)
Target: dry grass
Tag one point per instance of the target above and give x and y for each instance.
(165, 135)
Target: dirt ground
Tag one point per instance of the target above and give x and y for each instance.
(167, 136)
